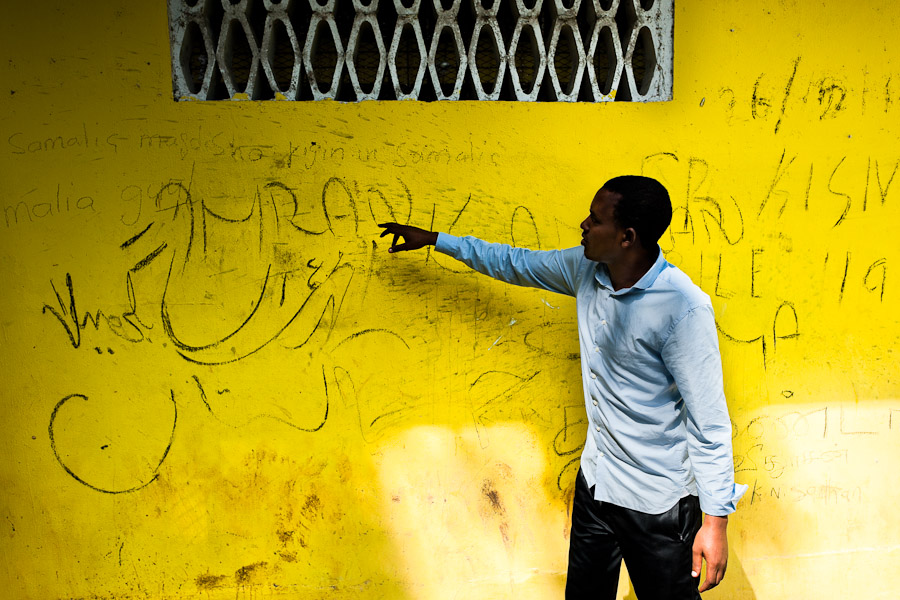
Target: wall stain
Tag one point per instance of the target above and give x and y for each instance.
(504, 532)
(209, 582)
(345, 469)
(312, 506)
(493, 496)
(243, 575)
(284, 536)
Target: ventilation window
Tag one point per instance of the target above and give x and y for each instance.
(354, 50)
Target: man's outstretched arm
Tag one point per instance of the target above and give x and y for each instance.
(553, 270)
(413, 237)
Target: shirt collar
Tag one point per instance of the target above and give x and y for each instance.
(646, 280)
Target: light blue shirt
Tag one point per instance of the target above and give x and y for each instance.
(658, 425)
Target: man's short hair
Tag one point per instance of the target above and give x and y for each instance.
(644, 205)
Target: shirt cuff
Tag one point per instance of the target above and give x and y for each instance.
(718, 508)
(447, 244)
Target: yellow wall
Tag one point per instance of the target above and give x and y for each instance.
(392, 426)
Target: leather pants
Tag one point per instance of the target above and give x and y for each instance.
(657, 549)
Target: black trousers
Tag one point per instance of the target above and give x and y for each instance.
(656, 549)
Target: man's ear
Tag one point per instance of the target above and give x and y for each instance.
(629, 237)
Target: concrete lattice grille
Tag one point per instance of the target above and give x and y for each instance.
(352, 50)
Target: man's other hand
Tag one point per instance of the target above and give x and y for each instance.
(413, 237)
(711, 545)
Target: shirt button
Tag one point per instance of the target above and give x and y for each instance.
(596, 403)
(603, 322)
(597, 349)
(598, 429)
(601, 455)
(593, 375)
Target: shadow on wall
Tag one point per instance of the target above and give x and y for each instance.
(735, 586)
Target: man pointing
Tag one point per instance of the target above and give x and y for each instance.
(658, 448)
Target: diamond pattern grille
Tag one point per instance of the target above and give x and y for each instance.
(353, 50)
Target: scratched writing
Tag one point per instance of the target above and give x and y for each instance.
(19, 143)
(796, 89)
(826, 493)
(316, 154)
(294, 154)
(224, 279)
(842, 188)
(852, 272)
(378, 401)
(36, 206)
(86, 459)
(488, 392)
(254, 271)
(760, 451)
(757, 458)
(709, 238)
(825, 422)
(190, 238)
(125, 325)
(569, 440)
(797, 180)
(693, 204)
(809, 455)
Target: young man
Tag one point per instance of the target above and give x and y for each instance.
(658, 448)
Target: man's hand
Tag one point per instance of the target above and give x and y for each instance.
(711, 545)
(413, 237)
